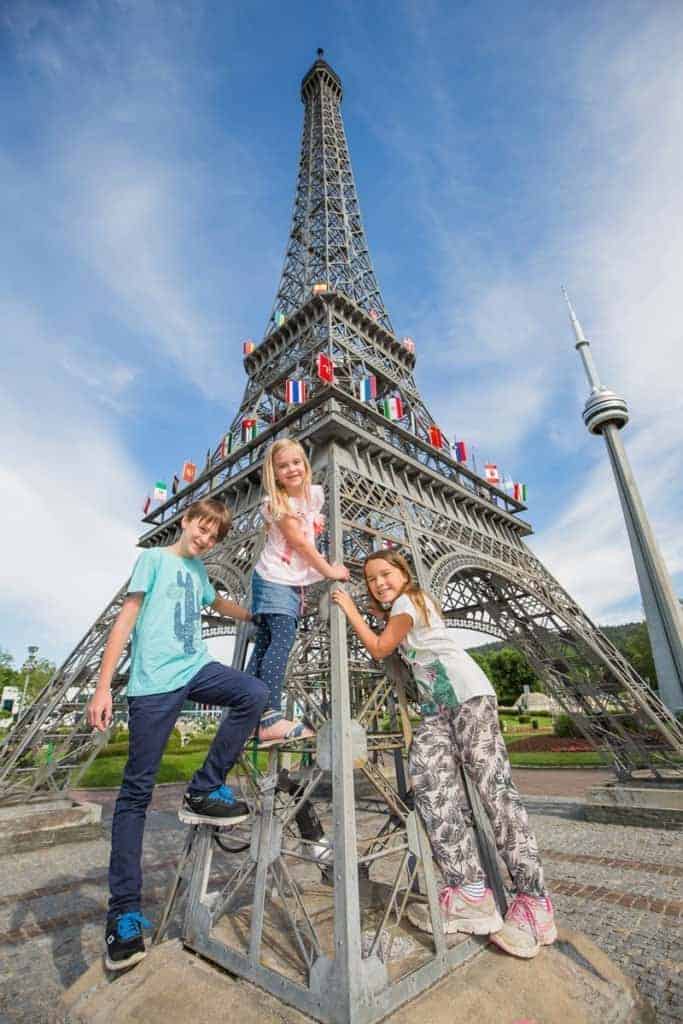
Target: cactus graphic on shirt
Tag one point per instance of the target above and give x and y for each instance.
(442, 690)
(185, 630)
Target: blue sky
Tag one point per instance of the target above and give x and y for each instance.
(148, 159)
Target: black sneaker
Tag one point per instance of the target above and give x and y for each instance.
(216, 808)
(125, 945)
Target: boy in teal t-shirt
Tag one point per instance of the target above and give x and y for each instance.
(169, 665)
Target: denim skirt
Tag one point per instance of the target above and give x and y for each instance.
(274, 598)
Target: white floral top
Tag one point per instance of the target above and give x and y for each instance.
(278, 562)
(445, 674)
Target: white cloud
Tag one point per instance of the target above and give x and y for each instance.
(616, 241)
(70, 496)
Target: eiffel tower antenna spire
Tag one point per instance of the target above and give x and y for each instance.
(327, 241)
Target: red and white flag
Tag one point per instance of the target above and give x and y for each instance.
(325, 368)
(435, 437)
(189, 472)
(491, 473)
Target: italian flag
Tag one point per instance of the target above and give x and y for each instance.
(392, 408)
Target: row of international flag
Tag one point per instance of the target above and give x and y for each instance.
(297, 392)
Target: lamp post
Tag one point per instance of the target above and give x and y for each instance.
(29, 665)
(606, 413)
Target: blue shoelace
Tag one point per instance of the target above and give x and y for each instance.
(130, 925)
(223, 793)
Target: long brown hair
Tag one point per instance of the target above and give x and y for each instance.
(417, 594)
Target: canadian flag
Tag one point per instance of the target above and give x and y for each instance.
(491, 473)
(325, 368)
(435, 437)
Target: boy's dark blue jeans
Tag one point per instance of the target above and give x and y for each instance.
(150, 722)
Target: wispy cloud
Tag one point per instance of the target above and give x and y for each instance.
(68, 486)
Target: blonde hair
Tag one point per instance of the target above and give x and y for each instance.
(417, 594)
(279, 500)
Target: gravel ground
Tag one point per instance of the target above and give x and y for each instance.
(621, 886)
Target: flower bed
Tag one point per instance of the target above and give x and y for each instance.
(554, 744)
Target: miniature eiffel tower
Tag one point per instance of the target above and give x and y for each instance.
(391, 479)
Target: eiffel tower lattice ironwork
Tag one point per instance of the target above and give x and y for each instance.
(386, 483)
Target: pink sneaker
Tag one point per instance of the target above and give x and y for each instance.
(528, 926)
(459, 913)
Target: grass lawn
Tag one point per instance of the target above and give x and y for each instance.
(556, 759)
(107, 772)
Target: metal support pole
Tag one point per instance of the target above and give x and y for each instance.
(347, 932)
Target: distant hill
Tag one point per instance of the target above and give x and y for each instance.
(509, 671)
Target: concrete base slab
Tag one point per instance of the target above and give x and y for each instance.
(635, 803)
(55, 819)
(572, 982)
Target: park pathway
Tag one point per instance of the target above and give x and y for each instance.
(622, 886)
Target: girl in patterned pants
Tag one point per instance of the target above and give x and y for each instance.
(459, 728)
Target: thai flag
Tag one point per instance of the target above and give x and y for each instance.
(295, 392)
(367, 388)
(461, 451)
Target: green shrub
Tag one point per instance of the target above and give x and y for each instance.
(523, 719)
(565, 726)
(534, 723)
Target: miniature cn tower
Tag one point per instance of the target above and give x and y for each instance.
(606, 413)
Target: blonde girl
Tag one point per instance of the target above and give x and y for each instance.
(290, 561)
(459, 727)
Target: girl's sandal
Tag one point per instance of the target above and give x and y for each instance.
(282, 732)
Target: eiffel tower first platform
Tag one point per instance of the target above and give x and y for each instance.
(318, 918)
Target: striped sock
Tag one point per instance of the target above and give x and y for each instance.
(474, 890)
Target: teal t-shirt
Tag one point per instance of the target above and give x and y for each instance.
(168, 649)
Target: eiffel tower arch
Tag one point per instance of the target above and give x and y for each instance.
(342, 952)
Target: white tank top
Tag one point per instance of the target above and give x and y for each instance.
(278, 562)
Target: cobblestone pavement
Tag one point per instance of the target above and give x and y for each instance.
(623, 887)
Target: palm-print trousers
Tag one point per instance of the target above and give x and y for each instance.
(470, 736)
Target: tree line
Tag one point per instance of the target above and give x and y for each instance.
(509, 670)
(506, 667)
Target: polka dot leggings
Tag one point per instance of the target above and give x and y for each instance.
(274, 640)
